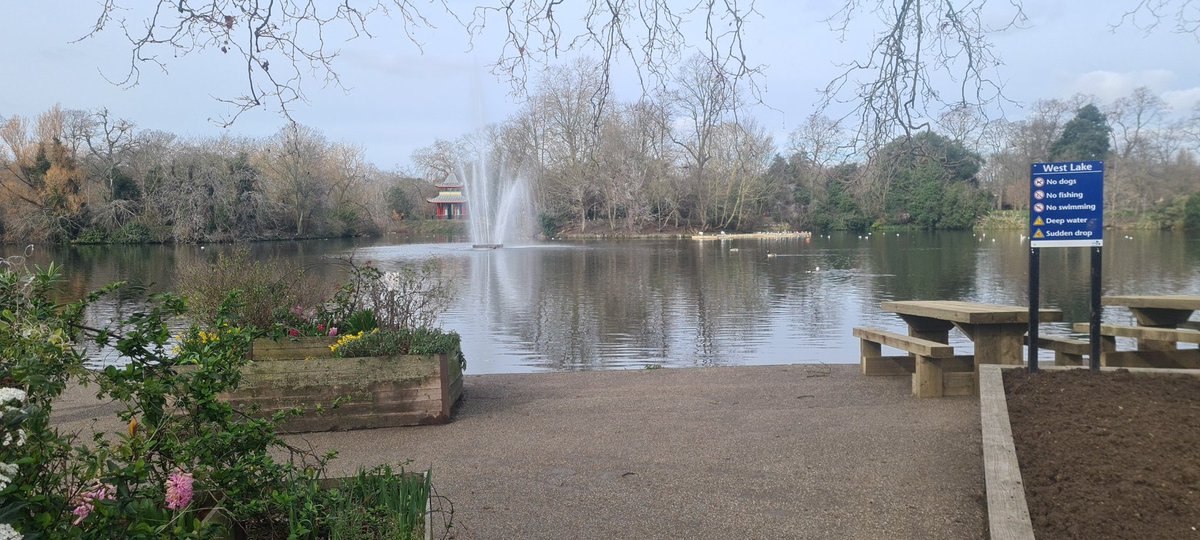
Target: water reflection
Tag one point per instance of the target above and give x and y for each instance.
(626, 304)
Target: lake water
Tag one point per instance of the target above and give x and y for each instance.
(562, 306)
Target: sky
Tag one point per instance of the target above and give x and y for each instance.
(399, 97)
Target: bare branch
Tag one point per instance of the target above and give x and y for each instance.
(894, 90)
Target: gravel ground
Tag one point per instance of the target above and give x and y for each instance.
(795, 451)
(792, 451)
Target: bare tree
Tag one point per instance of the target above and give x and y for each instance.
(294, 161)
(281, 41)
(821, 144)
(440, 159)
(567, 101)
(703, 100)
(897, 88)
(1149, 15)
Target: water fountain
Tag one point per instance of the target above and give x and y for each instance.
(498, 202)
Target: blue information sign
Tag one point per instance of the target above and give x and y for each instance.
(1066, 204)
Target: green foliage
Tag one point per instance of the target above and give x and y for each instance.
(408, 297)
(394, 342)
(91, 235)
(839, 210)
(178, 429)
(347, 221)
(550, 224)
(133, 233)
(399, 202)
(1191, 213)
(1085, 137)
(123, 186)
(934, 182)
(362, 320)
(378, 503)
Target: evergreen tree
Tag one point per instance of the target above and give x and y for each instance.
(1085, 137)
(1191, 213)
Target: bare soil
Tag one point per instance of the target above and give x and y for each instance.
(1108, 455)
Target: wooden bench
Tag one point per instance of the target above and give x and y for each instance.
(1067, 351)
(935, 370)
(1157, 347)
(1174, 335)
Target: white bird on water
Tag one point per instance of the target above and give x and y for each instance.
(770, 255)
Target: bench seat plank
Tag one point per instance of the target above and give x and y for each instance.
(917, 346)
(1183, 335)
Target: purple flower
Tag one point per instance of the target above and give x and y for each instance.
(332, 331)
(87, 499)
(179, 490)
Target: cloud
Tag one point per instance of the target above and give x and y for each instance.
(1182, 101)
(1108, 86)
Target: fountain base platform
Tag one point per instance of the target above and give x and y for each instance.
(487, 246)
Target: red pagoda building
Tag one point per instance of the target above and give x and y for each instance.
(450, 203)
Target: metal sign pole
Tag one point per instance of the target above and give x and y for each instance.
(1066, 209)
(1034, 299)
(1094, 334)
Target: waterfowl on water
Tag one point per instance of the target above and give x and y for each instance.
(770, 255)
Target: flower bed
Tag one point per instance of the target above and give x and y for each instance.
(391, 504)
(183, 441)
(1109, 455)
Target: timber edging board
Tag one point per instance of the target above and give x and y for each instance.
(1007, 509)
(1008, 513)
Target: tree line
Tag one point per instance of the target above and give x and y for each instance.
(89, 177)
(690, 158)
(687, 158)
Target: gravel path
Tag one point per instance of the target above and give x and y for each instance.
(795, 451)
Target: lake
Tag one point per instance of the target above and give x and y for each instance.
(626, 304)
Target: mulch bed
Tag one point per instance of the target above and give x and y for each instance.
(1109, 455)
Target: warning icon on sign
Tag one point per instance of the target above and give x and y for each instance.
(1039, 234)
(1038, 222)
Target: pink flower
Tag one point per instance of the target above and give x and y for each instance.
(293, 332)
(86, 501)
(332, 331)
(179, 490)
(320, 327)
(298, 311)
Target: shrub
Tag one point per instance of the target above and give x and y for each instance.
(133, 233)
(265, 289)
(1191, 213)
(182, 442)
(408, 298)
(91, 235)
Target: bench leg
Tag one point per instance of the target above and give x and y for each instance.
(868, 349)
(1107, 344)
(927, 380)
(1067, 359)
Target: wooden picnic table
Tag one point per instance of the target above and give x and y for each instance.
(998, 331)
(1165, 311)
(1156, 311)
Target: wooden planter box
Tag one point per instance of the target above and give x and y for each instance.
(373, 392)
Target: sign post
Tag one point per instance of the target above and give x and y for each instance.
(1066, 209)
